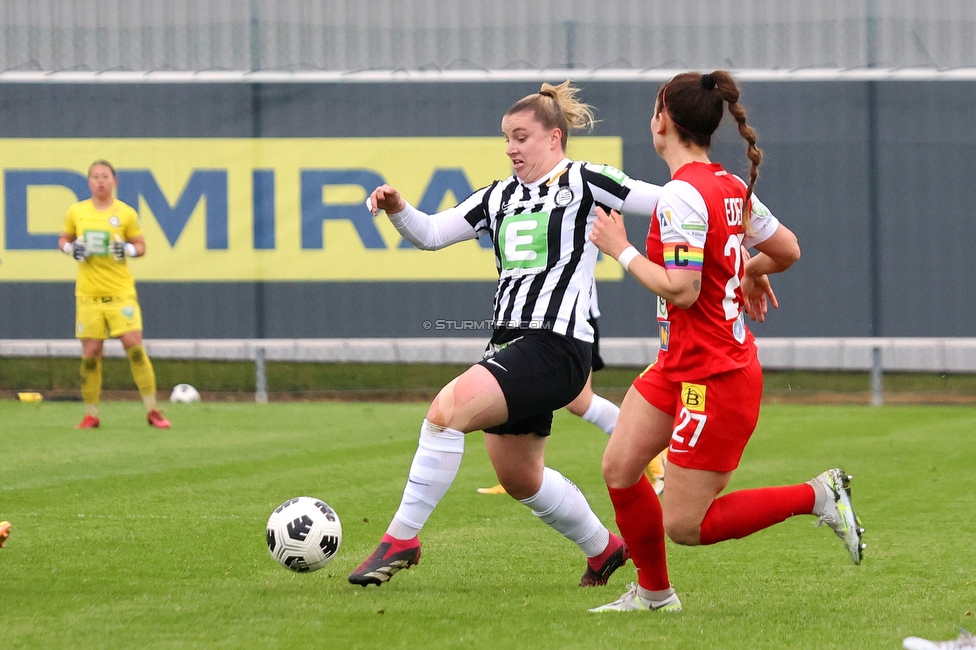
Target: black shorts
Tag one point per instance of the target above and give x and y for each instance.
(597, 362)
(539, 372)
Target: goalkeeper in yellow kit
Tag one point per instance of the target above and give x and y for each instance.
(100, 233)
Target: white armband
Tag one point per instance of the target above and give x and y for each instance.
(627, 256)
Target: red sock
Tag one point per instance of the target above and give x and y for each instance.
(598, 561)
(742, 513)
(641, 524)
(397, 545)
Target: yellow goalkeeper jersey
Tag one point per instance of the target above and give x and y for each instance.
(101, 274)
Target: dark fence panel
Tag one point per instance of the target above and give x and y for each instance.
(816, 177)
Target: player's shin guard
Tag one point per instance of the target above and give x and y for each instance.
(434, 467)
(641, 523)
(91, 380)
(560, 504)
(142, 373)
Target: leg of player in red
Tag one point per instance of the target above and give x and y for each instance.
(641, 434)
(705, 447)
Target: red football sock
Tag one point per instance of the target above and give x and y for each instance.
(397, 545)
(641, 524)
(742, 513)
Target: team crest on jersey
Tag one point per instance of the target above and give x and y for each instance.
(129, 311)
(114, 221)
(563, 197)
(693, 397)
(664, 329)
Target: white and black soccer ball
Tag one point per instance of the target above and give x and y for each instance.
(304, 534)
(184, 393)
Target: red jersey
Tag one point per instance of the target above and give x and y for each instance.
(698, 226)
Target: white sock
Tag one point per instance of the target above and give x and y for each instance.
(821, 496)
(560, 504)
(654, 599)
(433, 470)
(603, 413)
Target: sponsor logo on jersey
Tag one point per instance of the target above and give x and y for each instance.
(664, 216)
(521, 205)
(694, 223)
(524, 242)
(693, 397)
(563, 197)
(664, 329)
(613, 174)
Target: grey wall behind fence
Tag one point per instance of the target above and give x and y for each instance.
(875, 177)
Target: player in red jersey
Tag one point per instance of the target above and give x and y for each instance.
(700, 399)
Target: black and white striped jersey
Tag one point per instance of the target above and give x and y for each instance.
(540, 232)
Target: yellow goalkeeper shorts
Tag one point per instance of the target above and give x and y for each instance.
(102, 317)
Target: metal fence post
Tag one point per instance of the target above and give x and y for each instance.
(260, 377)
(877, 378)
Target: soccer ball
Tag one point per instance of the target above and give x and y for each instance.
(184, 393)
(304, 534)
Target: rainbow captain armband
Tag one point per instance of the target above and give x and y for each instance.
(683, 257)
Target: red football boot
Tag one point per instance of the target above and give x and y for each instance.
(156, 419)
(90, 422)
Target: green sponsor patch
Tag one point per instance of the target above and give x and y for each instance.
(97, 241)
(524, 241)
(614, 174)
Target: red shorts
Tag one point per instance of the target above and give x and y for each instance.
(714, 417)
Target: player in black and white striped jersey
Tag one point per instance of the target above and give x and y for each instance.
(539, 356)
(598, 410)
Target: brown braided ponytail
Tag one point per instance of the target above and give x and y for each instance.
(695, 103)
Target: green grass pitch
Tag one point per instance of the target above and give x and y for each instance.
(127, 536)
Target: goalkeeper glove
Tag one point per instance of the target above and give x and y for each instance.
(120, 249)
(76, 249)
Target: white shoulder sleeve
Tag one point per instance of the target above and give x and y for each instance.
(682, 214)
(762, 221)
(432, 232)
(642, 199)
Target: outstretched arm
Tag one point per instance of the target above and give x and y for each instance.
(425, 231)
